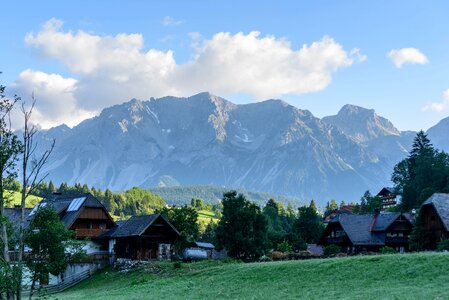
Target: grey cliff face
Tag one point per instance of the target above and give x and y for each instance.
(268, 146)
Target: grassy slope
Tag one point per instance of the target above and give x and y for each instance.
(14, 198)
(409, 276)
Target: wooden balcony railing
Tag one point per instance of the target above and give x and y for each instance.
(335, 240)
(90, 233)
(396, 239)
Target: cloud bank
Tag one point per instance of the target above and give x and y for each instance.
(112, 69)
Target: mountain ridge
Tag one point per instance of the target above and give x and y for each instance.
(269, 146)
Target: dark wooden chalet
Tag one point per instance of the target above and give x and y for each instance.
(435, 216)
(83, 214)
(368, 232)
(388, 197)
(143, 238)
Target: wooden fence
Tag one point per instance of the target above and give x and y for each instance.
(67, 283)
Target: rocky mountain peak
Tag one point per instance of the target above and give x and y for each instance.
(361, 124)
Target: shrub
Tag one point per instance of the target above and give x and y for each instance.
(387, 250)
(177, 265)
(284, 246)
(331, 249)
(443, 245)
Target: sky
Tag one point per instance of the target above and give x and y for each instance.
(79, 57)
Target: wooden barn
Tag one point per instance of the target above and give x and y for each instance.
(147, 237)
(435, 216)
(368, 232)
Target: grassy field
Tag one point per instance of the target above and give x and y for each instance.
(14, 198)
(396, 276)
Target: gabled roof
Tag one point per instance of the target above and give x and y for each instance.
(136, 226)
(357, 227)
(384, 220)
(440, 202)
(385, 191)
(76, 203)
(13, 215)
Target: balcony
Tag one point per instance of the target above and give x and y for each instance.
(396, 239)
(335, 240)
(89, 233)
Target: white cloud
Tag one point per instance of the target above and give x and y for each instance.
(112, 69)
(55, 101)
(441, 105)
(403, 56)
(169, 21)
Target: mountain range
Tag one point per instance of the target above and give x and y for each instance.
(268, 146)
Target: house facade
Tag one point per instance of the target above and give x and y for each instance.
(388, 198)
(435, 217)
(85, 215)
(147, 237)
(368, 232)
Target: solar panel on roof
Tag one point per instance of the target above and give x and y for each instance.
(76, 204)
(34, 210)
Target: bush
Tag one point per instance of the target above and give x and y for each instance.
(387, 250)
(284, 247)
(177, 265)
(443, 245)
(331, 249)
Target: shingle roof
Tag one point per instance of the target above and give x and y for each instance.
(440, 202)
(384, 220)
(357, 227)
(61, 203)
(13, 215)
(136, 226)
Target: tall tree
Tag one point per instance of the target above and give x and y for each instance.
(424, 172)
(242, 228)
(32, 177)
(184, 219)
(308, 225)
(10, 148)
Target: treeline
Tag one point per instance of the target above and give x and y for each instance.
(181, 195)
(134, 201)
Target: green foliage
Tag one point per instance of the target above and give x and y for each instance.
(424, 172)
(242, 228)
(177, 265)
(333, 205)
(387, 250)
(368, 204)
(308, 225)
(443, 245)
(47, 238)
(180, 195)
(208, 235)
(419, 238)
(313, 205)
(184, 219)
(284, 247)
(331, 249)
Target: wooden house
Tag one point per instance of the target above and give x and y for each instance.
(368, 232)
(83, 214)
(144, 237)
(435, 217)
(388, 197)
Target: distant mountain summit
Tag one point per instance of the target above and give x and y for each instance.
(361, 124)
(268, 146)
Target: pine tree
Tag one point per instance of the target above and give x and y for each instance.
(312, 205)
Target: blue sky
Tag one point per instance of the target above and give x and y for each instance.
(73, 69)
